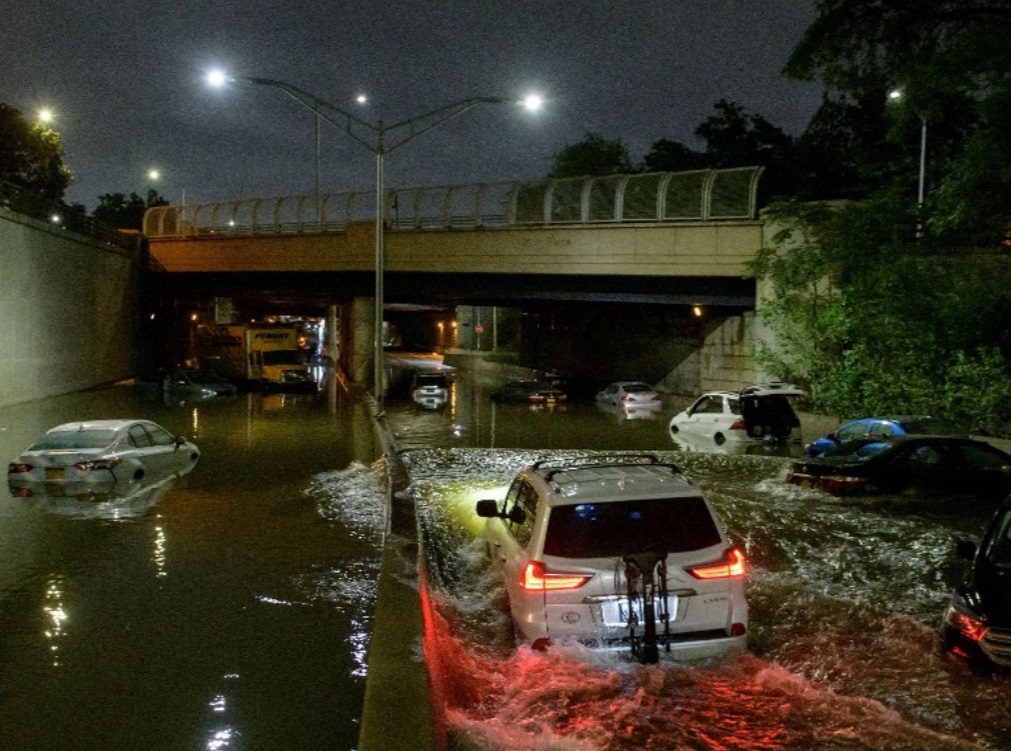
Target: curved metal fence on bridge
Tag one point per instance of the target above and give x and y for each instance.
(701, 195)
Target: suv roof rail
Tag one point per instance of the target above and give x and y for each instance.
(556, 466)
(643, 458)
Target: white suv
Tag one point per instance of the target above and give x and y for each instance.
(617, 552)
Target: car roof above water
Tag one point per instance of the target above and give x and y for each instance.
(612, 481)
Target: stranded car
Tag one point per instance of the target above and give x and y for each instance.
(98, 451)
(617, 552)
(529, 392)
(630, 394)
(430, 390)
(881, 428)
(977, 621)
(756, 413)
(930, 465)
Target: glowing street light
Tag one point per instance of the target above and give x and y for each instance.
(45, 115)
(155, 175)
(380, 139)
(896, 95)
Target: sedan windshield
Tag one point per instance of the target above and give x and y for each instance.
(74, 439)
(618, 528)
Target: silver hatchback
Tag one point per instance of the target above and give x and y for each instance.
(617, 552)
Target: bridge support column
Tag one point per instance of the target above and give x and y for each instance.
(333, 336)
(358, 349)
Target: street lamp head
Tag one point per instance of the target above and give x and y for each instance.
(532, 102)
(153, 174)
(217, 78)
(895, 95)
(45, 115)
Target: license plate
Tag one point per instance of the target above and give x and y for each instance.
(54, 473)
(615, 612)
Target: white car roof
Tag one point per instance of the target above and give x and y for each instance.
(614, 482)
(95, 425)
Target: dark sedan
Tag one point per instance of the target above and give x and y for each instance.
(977, 622)
(924, 464)
(529, 392)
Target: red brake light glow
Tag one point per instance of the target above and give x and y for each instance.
(969, 627)
(842, 483)
(732, 565)
(738, 424)
(536, 578)
(18, 468)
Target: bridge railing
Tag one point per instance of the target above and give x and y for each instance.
(657, 197)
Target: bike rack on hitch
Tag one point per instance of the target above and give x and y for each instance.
(640, 582)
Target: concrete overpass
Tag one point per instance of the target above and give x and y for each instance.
(662, 238)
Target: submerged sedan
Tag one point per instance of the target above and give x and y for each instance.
(930, 465)
(529, 392)
(101, 451)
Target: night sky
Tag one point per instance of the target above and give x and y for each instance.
(126, 81)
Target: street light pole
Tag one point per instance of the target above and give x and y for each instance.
(380, 147)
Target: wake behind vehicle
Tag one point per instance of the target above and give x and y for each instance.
(926, 465)
(756, 413)
(618, 552)
(977, 621)
(108, 453)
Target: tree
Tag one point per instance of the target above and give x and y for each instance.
(673, 156)
(117, 210)
(873, 321)
(31, 155)
(593, 156)
(949, 59)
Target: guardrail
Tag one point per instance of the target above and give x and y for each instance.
(657, 197)
(62, 216)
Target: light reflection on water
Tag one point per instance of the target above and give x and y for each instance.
(230, 608)
(845, 599)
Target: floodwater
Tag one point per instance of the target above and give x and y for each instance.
(226, 609)
(846, 598)
(230, 609)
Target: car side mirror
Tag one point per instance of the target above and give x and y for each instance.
(180, 441)
(966, 549)
(488, 509)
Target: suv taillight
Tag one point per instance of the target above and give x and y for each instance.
(730, 566)
(536, 578)
(738, 424)
(18, 468)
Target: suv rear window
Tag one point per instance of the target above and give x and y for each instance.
(617, 528)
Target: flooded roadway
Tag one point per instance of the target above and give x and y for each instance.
(846, 598)
(232, 610)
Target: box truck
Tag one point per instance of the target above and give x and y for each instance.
(258, 355)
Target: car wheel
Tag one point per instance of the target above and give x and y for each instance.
(719, 439)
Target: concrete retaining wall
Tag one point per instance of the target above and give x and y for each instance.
(68, 305)
(724, 362)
